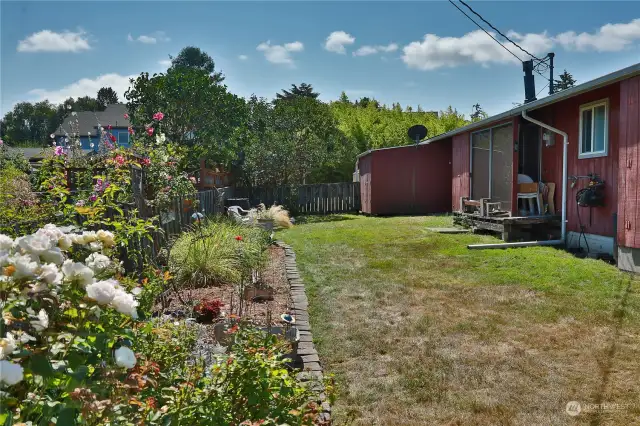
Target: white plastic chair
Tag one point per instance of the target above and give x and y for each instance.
(239, 214)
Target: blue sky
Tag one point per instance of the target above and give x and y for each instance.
(414, 53)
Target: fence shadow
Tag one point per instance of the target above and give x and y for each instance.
(322, 218)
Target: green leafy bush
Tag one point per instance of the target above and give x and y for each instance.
(217, 251)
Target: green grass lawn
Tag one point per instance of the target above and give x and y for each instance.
(419, 330)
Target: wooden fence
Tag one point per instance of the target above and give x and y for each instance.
(322, 198)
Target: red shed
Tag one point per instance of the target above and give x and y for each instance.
(601, 119)
(412, 179)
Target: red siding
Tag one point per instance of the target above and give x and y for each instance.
(364, 165)
(629, 161)
(391, 176)
(565, 115)
(459, 169)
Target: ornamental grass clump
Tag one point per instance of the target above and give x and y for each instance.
(209, 253)
(276, 213)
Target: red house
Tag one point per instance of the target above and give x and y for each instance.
(590, 129)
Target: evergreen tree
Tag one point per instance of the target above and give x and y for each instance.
(565, 81)
(478, 113)
(107, 96)
(194, 57)
(304, 90)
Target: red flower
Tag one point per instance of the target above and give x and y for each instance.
(113, 138)
(150, 131)
(109, 127)
(131, 130)
(158, 116)
(232, 329)
(146, 162)
(238, 237)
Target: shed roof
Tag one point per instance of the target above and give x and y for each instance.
(88, 121)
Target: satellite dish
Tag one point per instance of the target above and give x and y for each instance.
(417, 133)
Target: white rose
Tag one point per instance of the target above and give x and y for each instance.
(125, 303)
(95, 246)
(51, 231)
(6, 242)
(106, 237)
(42, 321)
(25, 267)
(125, 357)
(10, 373)
(53, 255)
(7, 345)
(102, 292)
(51, 274)
(76, 271)
(65, 242)
(35, 244)
(89, 236)
(98, 262)
(77, 239)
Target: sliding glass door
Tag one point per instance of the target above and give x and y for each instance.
(492, 165)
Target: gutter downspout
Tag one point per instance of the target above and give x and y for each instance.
(563, 226)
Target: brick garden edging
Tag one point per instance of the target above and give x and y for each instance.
(299, 309)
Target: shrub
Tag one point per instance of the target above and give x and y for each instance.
(278, 214)
(209, 253)
(208, 310)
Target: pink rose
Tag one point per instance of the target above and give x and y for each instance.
(150, 131)
(126, 115)
(158, 116)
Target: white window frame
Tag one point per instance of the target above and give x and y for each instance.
(592, 106)
(128, 137)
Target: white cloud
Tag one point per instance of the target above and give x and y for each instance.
(280, 54)
(85, 87)
(158, 36)
(608, 38)
(243, 57)
(475, 47)
(165, 62)
(337, 41)
(49, 41)
(372, 50)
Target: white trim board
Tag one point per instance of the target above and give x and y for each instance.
(597, 243)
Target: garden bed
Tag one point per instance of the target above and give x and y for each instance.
(257, 312)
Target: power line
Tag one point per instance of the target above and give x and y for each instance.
(499, 32)
(546, 85)
(486, 32)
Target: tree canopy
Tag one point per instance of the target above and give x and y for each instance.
(194, 57)
(564, 82)
(107, 96)
(304, 90)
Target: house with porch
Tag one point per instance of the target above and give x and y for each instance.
(580, 148)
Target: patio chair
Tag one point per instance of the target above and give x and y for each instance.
(239, 214)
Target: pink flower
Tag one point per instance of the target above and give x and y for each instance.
(150, 131)
(126, 115)
(59, 150)
(120, 159)
(93, 197)
(109, 127)
(1, 142)
(193, 180)
(158, 116)
(169, 177)
(131, 130)
(146, 162)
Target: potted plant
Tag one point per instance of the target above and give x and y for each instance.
(208, 310)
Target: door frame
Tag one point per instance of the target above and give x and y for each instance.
(490, 129)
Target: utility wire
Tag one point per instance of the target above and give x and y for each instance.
(487, 32)
(546, 85)
(499, 32)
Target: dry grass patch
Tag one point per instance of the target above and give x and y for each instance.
(421, 331)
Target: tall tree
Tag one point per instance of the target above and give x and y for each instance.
(29, 122)
(564, 82)
(107, 96)
(304, 90)
(477, 113)
(199, 113)
(344, 98)
(194, 57)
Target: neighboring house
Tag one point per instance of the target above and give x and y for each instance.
(602, 121)
(88, 123)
